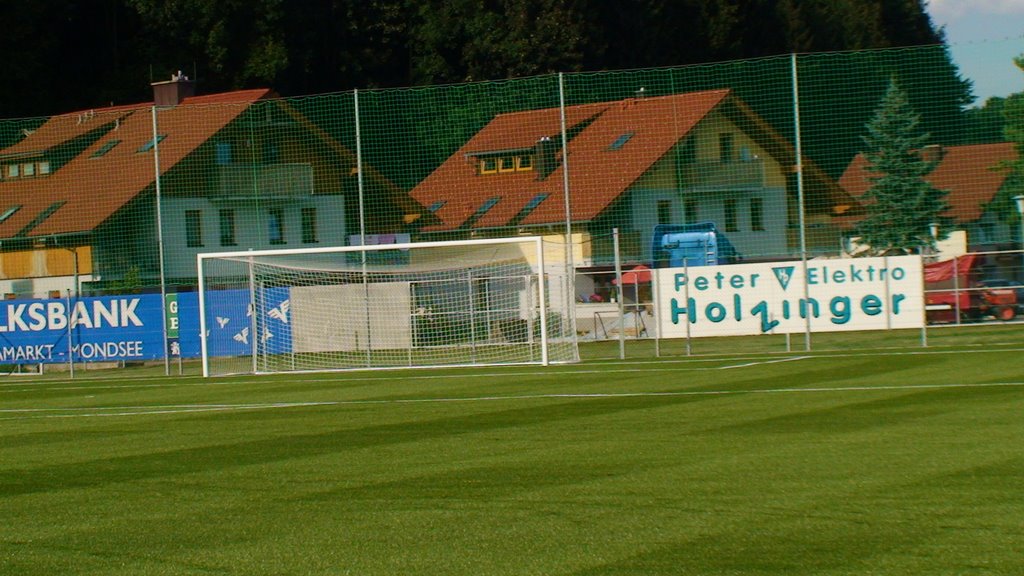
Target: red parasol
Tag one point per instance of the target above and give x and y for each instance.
(638, 275)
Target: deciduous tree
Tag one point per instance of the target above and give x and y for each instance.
(1013, 114)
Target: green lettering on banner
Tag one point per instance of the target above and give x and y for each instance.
(171, 311)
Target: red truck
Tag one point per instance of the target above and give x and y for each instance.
(954, 287)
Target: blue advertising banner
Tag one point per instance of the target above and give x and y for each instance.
(94, 329)
(131, 328)
(229, 322)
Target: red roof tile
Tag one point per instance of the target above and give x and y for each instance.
(597, 175)
(969, 173)
(94, 188)
(60, 129)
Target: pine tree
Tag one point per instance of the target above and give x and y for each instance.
(902, 206)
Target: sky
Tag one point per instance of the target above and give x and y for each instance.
(983, 37)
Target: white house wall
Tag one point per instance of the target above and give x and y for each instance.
(711, 205)
(251, 227)
(991, 229)
(750, 172)
(42, 287)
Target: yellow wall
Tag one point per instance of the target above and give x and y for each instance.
(43, 262)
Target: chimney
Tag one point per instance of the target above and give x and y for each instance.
(172, 92)
(932, 153)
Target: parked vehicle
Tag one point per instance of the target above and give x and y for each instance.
(699, 244)
(953, 292)
(1002, 283)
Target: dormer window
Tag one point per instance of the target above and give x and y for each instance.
(489, 165)
(25, 170)
(498, 163)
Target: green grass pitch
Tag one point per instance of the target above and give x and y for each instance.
(899, 460)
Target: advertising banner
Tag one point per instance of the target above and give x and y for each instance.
(230, 324)
(173, 332)
(769, 298)
(130, 328)
(95, 329)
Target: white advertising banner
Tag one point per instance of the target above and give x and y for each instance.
(744, 299)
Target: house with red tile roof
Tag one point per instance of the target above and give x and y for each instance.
(972, 177)
(632, 164)
(233, 171)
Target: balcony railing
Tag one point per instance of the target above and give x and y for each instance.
(265, 180)
(722, 175)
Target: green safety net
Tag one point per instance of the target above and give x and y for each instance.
(774, 154)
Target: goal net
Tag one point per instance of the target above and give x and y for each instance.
(474, 302)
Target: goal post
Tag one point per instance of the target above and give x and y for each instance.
(425, 304)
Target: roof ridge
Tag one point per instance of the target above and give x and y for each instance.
(215, 98)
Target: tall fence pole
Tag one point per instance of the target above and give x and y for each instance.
(362, 225)
(570, 264)
(799, 168)
(956, 289)
(621, 291)
(254, 317)
(71, 331)
(160, 244)
(1018, 201)
(924, 302)
(657, 313)
(686, 298)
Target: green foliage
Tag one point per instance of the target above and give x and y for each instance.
(63, 55)
(839, 93)
(463, 40)
(1013, 115)
(985, 124)
(312, 46)
(237, 42)
(901, 204)
(131, 283)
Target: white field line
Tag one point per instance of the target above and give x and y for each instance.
(651, 367)
(384, 374)
(776, 361)
(112, 411)
(402, 374)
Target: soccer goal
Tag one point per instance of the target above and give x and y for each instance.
(474, 302)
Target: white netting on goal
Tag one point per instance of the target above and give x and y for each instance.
(430, 304)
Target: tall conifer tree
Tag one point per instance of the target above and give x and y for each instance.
(901, 204)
